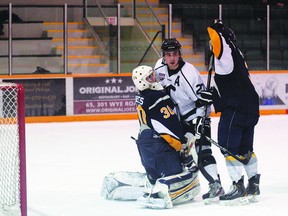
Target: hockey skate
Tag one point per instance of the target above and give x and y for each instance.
(252, 190)
(215, 191)
(236, 195)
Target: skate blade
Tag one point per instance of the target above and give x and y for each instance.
(252, 198)
(235, 202)
(211, 201)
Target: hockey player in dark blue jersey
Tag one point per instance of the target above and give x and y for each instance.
(162, 145)
(235, 97)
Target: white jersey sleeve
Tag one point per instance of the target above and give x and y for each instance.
(187, 93)
(223, 59)
(225, 64)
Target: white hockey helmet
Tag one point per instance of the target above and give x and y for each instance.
(139, 77)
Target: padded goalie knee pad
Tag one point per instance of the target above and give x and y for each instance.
(182, 187)
(171, 190)
(123, 185)
(156, 197)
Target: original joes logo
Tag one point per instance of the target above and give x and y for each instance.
(112, 85)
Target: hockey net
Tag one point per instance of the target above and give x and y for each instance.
(12, 151)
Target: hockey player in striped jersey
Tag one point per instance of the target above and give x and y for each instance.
(238, 102)
(162, 145)
(183, 83)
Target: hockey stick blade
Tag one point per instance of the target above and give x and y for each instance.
(244, 160)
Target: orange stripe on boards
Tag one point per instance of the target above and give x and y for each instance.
(52, 76)
(262, 112)
(8, 121)
(260, 72)
(100, 117)
(192, 56)
(198, 64)
(107, 117)
(274, 112)
(213, 114)
(269, 72)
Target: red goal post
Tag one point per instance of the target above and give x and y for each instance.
(13, 196)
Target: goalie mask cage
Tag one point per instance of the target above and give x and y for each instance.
(13, 198)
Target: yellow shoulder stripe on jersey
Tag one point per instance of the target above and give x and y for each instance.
(175, 143)
(216, 42)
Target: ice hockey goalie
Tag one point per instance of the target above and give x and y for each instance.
(166, 192)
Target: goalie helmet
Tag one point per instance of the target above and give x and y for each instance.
(170, 45)
(140, 75)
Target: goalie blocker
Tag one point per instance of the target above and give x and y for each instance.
(166, 192)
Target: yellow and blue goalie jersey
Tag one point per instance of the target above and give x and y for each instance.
(156, 110)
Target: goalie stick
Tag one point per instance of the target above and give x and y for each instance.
(243, 160)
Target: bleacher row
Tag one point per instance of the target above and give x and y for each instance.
(30, 48)
(250, 26)
(247, 21)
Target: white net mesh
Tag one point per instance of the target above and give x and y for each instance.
(9, 151)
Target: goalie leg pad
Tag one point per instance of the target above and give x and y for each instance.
(123, 185)
(171, 190)
(182, 187)
(156, 197)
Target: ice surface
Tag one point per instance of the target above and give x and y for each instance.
(66, 163)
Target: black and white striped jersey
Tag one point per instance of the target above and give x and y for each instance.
(183, 85)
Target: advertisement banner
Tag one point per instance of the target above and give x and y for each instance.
(272, 89)
(43, 97)
(100, 95)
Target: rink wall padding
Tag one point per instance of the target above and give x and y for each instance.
(115, 117)
(101, 97)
